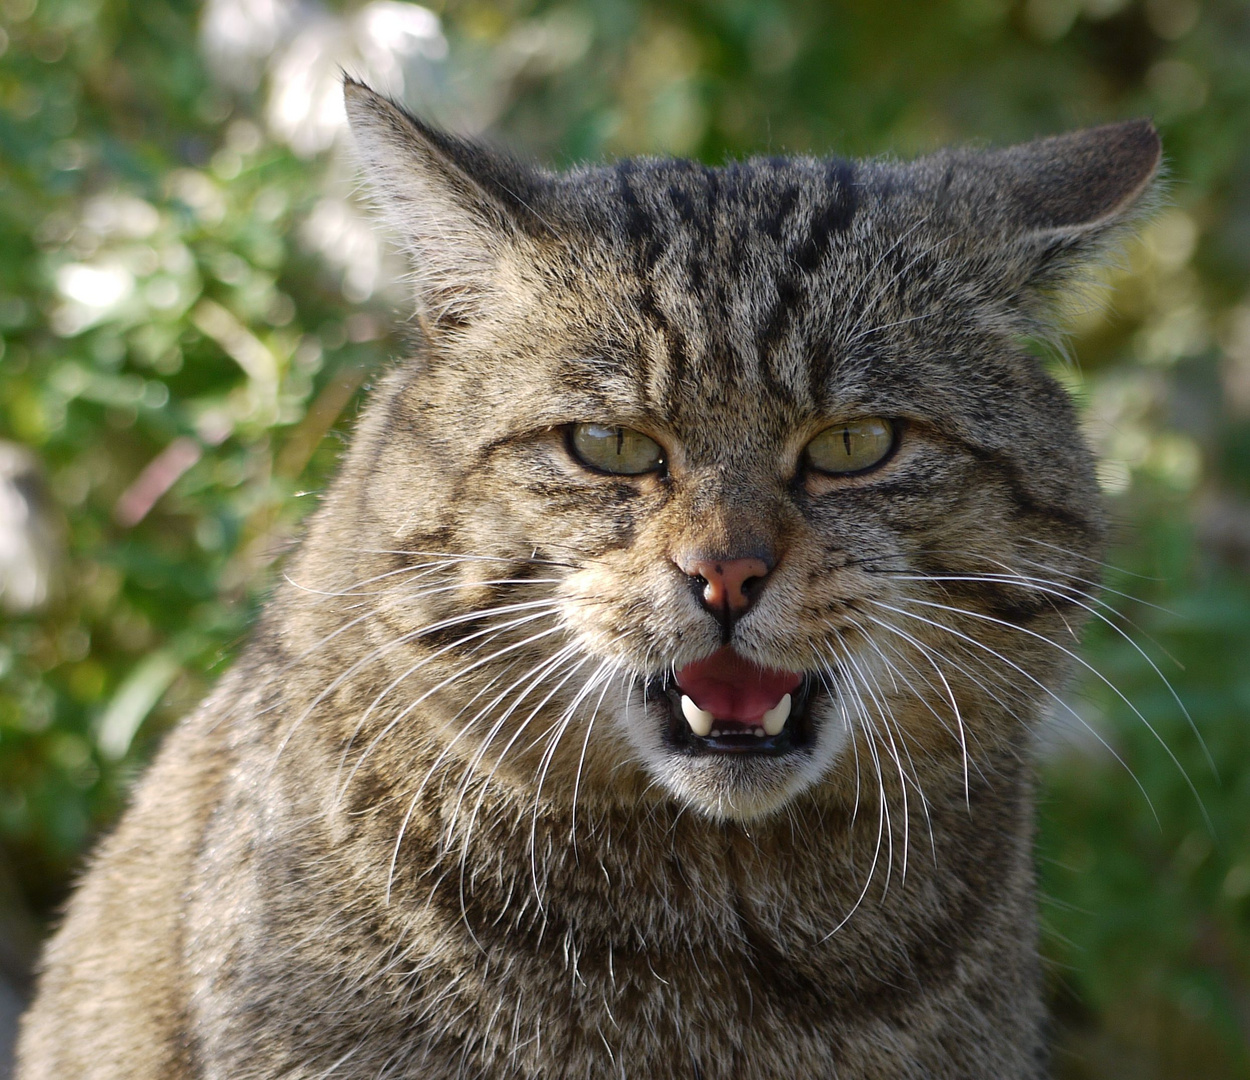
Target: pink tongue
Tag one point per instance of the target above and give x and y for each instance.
(733, 688)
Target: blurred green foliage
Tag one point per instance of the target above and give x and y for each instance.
(189, 303)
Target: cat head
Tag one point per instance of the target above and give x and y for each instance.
(722, 483)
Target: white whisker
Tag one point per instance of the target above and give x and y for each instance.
(1088, 667)
(1050, 588)
(1031, 678)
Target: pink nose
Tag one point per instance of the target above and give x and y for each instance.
(728, 583)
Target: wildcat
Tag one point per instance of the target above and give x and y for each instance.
(653, 693)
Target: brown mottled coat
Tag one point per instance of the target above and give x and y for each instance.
(430, 825)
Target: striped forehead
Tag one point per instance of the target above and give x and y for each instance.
(728, 271)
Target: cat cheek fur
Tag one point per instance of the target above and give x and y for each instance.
(442, 818)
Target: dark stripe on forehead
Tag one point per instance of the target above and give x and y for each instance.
(775, 221)
(648, 235)
(834, 216)
(697, 223)
(640, 226)
(674, 343)
(718, 300)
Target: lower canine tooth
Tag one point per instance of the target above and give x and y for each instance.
(775, 719)
(699, 720)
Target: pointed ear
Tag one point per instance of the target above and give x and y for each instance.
(1052, 206)
(456, 208)
(1083, 182)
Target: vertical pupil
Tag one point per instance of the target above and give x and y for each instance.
(620, 441)
(846, 440)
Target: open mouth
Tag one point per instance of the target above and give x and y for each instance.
(726, 704)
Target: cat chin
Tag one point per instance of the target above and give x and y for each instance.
(738, 786)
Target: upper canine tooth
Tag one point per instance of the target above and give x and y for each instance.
(699, 720)
(775, 719)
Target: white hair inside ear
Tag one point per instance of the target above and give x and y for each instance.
(455, 233)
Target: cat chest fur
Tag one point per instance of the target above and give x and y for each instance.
(719, 959)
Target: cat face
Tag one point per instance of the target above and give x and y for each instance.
(729, 484)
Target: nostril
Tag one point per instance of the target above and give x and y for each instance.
(726, 585)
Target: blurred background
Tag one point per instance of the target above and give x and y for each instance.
(191, 301)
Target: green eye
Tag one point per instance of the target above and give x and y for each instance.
(618, 450)
(852, 446)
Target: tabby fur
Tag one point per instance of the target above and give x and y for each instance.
(429, 825)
